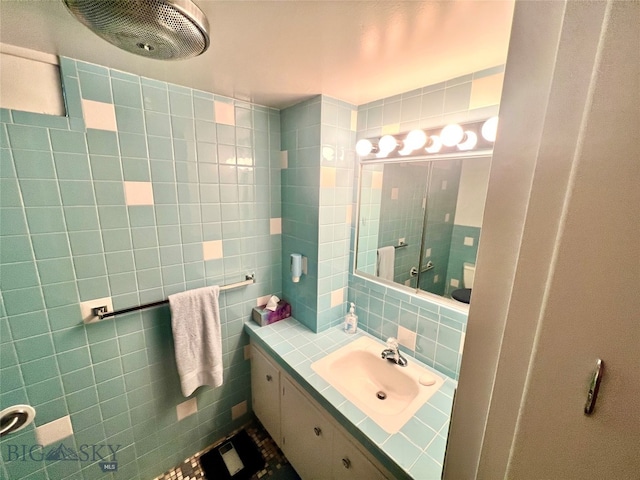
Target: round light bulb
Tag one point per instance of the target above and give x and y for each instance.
(415, 140)
(451, 135)
(470, 140)
(434, 145)
(364, 147)
(387, 144)
(490, 129)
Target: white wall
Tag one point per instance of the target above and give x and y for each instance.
(474, 180)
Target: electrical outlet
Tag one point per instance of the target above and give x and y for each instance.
(86, 308)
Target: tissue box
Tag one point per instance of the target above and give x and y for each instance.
(266, 317)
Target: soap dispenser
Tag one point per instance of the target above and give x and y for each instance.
(351, 320)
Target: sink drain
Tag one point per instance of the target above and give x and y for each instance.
(381, 395)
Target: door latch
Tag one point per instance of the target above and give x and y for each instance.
(594, 386)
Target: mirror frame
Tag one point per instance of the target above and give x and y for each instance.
(437, 299)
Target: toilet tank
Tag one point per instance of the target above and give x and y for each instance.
(469, 271)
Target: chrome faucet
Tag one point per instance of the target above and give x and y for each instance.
(392, 353)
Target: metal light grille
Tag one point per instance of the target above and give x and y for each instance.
(163, 30)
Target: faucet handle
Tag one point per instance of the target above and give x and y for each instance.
(392, 342)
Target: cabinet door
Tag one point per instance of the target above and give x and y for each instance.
(306, 435)
(348, 462)
(265, 392)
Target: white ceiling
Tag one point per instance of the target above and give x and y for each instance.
(277, 53)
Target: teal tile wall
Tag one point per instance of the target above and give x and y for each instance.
(67, 235)
(317, 188)
(300, 127)
(338, 139)
(381, 310)
(441, 212)
(461, 254)
(369, 218)
(402, 215)
(439, 329)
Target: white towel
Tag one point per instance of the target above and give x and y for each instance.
(386, 261)
(195, 321)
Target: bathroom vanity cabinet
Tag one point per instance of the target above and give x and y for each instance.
(317, 446)
(265, 392)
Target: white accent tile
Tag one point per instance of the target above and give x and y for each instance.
(138, 193)
(337, 297)
(376, 180)
(486, 91)
(225, 113)
(468, 241)
(284, 159)
(354, 120)
(238, 410)
(394, 193)
(212, 250)
(455, 282)
(55, 431)
(427, 252)
(327, 177)
(275, 226)
(407, 338)
(184, 409)
(86, 308)
(99, 115)
(391, 129)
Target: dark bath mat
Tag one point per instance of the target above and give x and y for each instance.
(214, 465)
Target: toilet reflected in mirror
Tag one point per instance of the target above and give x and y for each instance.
(464, 294)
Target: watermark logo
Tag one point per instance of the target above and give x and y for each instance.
(104, 454)
(62, 453)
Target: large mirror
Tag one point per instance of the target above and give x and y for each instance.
(419, 222)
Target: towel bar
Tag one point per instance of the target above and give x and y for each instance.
(101, 312)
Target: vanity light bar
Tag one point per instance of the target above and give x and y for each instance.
(452, 138)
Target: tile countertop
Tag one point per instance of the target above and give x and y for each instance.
(416, 451)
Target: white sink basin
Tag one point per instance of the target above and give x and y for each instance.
(358, 372)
